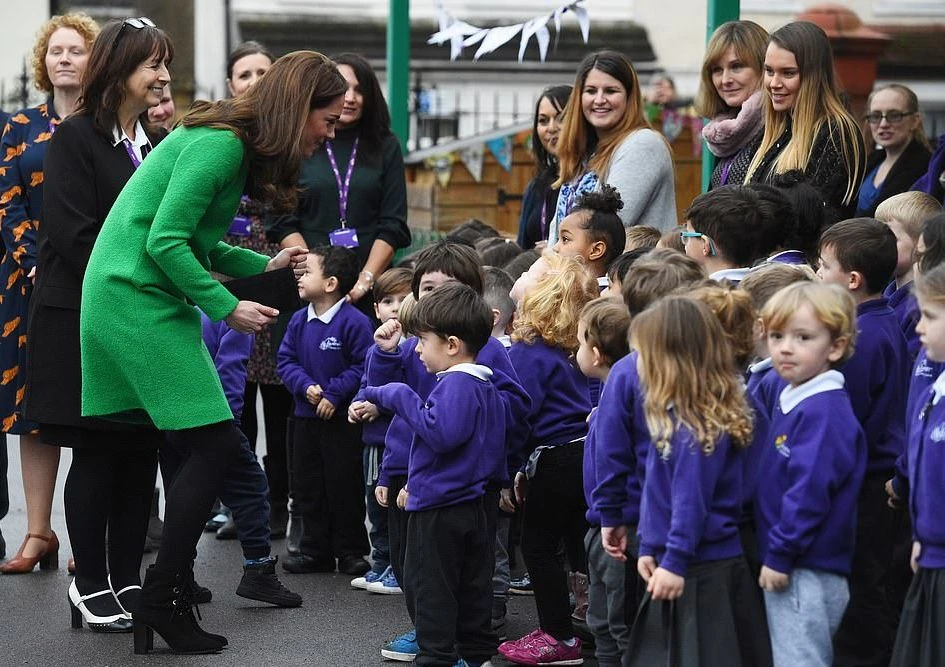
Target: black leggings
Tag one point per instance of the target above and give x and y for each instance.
(109, 492)
(208, 451)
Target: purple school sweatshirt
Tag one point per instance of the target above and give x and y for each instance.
(903, 303)
(459, 435)
(813, 463)
(230, 351)
(927, 474)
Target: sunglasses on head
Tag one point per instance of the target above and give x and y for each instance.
(134, 23)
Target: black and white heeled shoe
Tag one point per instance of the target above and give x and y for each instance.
(80, 611)
(130, 594)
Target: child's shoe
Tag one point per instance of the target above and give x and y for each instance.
(540, 648)
(579, 584)
(386, 585)
(260, 582)
(521, 586)
(369, 578)
(403, 648)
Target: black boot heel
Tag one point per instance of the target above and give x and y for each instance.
(144, 639)
(76, 616)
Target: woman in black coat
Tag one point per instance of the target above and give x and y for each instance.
(902, 150)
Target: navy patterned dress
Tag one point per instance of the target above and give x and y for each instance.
(22, 150)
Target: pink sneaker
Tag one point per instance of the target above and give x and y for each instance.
(540, 648)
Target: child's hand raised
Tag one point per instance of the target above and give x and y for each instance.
(380, 494)
(664, 585)
(388, 335)
(772, 580)
(325, 409)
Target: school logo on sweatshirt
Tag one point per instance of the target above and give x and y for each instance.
(938, 433)
(923, 369)
(330, 343)
(780, 444)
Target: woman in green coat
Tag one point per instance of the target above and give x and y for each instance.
(143, 358)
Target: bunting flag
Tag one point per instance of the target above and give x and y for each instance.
(442, 167)
(461, 35)
(472, 157)
(501, 148)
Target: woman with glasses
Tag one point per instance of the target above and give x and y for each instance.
(110, 483)
(143, 357)
(807, 126)
(60, 56)
(901, 152)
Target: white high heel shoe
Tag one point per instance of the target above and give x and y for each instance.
(79, 610)
(118, 594)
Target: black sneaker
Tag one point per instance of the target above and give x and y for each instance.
(305, 564)
(521, 586)
(260, 582)
(354, 566)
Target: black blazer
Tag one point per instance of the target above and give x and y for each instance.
(905, 171)
(83, 175)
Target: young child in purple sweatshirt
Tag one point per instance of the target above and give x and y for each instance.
(436, 265)
(458, 445)
(602, 336)
(860, 256)
(919, 640)
(321, 361)
(813, 464)
(698, 608)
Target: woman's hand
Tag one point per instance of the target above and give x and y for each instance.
(294, 257)
(251, 317)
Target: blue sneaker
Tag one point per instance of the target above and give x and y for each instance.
(403, 648)
(387, 585)
(369, 578)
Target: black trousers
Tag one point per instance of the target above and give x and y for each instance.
(397, 534)
(108, 492)
(210, 451)
(868, 629)
(277, 406)
(449, 570)
(554, 512)
(328, 486)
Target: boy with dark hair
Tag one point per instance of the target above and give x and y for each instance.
(860, 255)
(498, 284)
(726, 231)
(321, 361)
(457, 447)
(392, 361)
(390, 290)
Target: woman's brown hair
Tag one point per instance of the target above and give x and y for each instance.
(270, 117)
(117, 52)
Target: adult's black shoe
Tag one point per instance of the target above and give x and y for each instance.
(305, 564)
(354, 566)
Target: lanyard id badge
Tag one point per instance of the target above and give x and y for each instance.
(242, 224)
(346, 237)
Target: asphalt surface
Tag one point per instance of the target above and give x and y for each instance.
(335, 626)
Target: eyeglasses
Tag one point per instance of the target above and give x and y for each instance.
(686, 235)
(891, 117)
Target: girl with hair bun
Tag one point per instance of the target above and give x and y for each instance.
(594, 232)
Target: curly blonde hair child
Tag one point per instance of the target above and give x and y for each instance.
(551, 309)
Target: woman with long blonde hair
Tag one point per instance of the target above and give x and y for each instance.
(605, 138)
(702, 607)
(549, 484)
(807, 126)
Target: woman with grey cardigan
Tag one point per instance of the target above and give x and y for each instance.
(605, 138)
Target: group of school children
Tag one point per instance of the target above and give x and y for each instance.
(732, 453)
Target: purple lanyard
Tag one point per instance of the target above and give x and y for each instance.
(343, 188)
(131, 153)
(542, 220)
(52, 126)
(725, 169)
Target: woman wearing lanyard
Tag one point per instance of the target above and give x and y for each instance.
(59, 59)
(354, 193)
(93, 154)
(538, 202)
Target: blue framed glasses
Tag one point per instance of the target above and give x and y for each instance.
(685, 235)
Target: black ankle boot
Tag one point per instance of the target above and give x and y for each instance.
(167, 609)
(260, 582)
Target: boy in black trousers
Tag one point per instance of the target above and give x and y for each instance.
(458, 446)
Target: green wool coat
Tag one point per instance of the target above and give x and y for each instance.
(143, 357)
